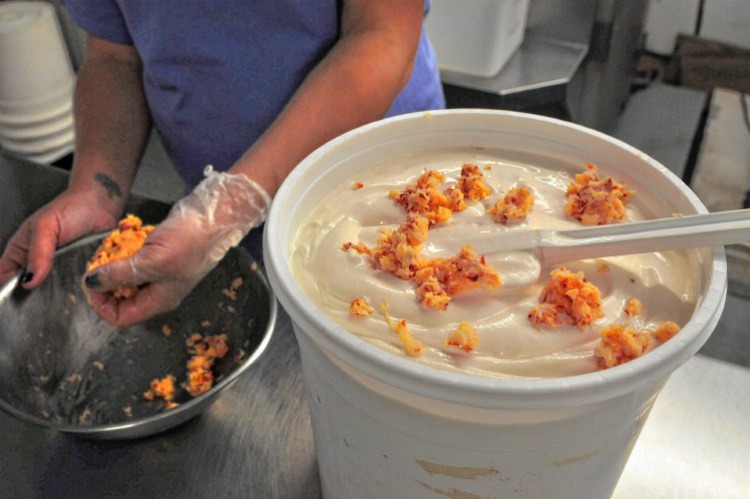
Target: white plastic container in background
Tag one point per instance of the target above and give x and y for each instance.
(51, 114)
(61, 138)
(51, 156)
(35, 66)
(386, 426)
(37, 130)
(38, 109)
(476, 37)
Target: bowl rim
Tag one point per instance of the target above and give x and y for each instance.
(163, 420)
(476, 390)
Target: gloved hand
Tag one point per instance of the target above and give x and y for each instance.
(71, 215)
(186, 246)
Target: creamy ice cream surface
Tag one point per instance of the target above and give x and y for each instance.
(509, 345)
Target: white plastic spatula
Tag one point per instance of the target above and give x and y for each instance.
(627, 238)
(551, 247)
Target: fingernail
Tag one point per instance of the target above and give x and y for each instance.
(26, 277)
(92, 281)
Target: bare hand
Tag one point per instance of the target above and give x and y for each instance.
(66, 218)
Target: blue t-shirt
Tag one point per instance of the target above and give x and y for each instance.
(216, 74)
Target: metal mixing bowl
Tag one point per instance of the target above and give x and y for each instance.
(63, 367)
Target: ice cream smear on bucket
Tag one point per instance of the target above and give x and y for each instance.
(387, 255)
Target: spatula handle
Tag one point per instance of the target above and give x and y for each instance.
(692, 231)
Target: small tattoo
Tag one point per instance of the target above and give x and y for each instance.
(113, 190)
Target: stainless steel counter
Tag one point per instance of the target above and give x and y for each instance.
(696, 442)
(538, 64)
(256, 440)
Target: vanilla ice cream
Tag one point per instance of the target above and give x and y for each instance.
(509, 345)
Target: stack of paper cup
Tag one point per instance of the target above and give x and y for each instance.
(36, 83)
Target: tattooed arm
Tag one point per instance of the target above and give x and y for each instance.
(112, 127)
(112, 122)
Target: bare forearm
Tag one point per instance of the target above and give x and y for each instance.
(355, 84)
(112, 126)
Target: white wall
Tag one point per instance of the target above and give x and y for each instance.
(727, 21)
(665, 19)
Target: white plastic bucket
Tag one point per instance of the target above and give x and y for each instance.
(34, 62)
(386, 426)
(476, 37)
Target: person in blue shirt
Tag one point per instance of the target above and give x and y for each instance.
(249, 87)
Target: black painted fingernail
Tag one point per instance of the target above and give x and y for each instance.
(26, 277)
(92, 281)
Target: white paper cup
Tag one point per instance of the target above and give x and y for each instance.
(31, 131)
(50, 114)
(39, 109)
(388, 427)
(51, 156)
(34, 61)
(40, 145)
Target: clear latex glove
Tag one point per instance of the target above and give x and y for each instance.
(70, 216)
(186, 246)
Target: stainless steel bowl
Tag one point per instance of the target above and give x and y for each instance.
(63, 367)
